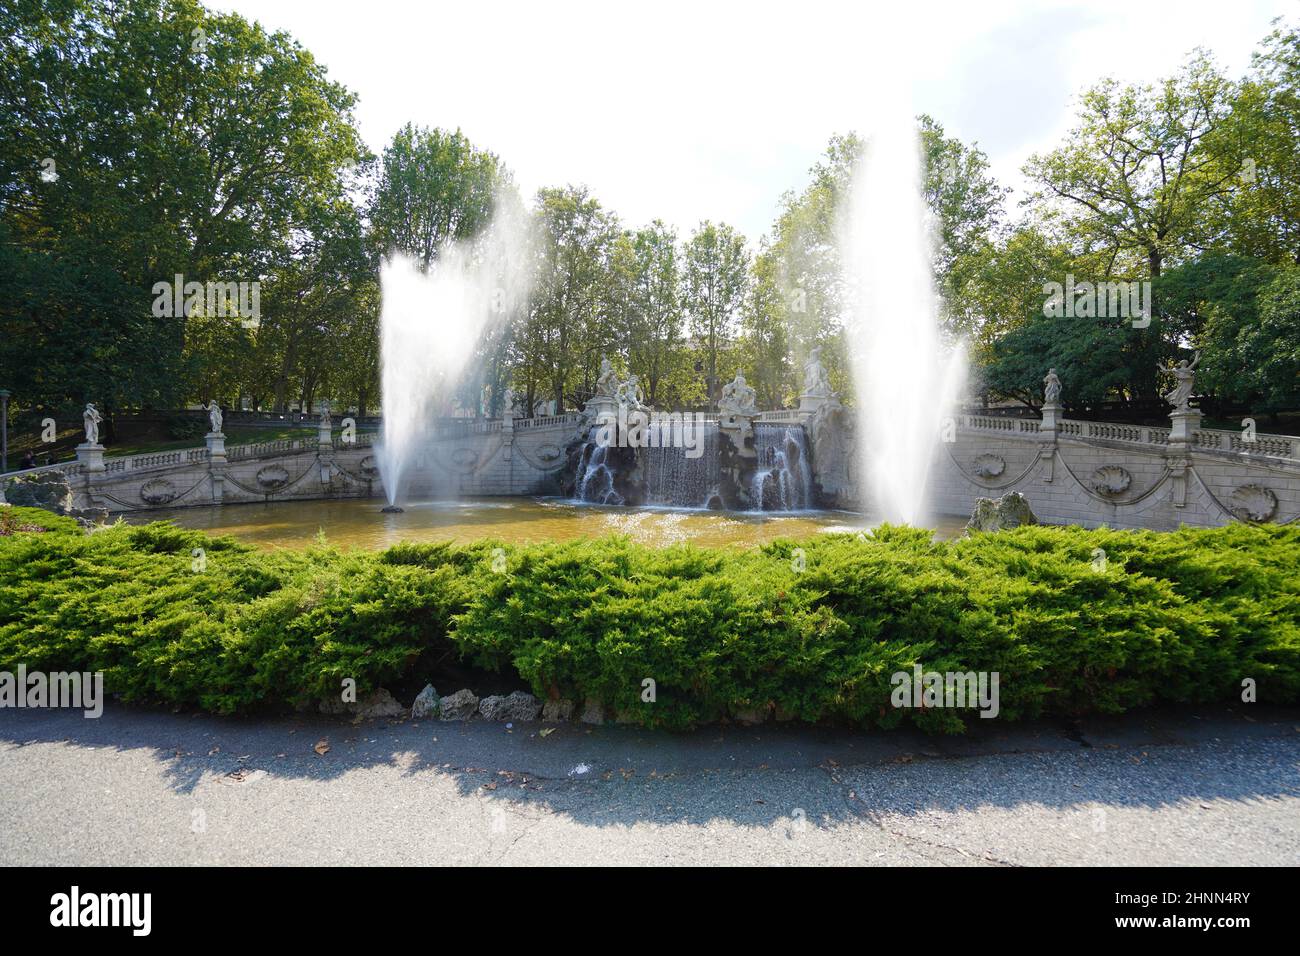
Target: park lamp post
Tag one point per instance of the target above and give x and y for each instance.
(4, 430)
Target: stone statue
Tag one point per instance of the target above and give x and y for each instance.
(91, 419)
(325, 420)
(738, 398)
(1181, 394)
(214, 416)
(1052, 388)
(629, 393)
(815, 381)
(607, 381)
(508, 404)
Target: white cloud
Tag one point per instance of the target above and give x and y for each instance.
(686, 111)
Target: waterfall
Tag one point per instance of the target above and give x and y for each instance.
(595, 478)
(672, 478)
(783, 478)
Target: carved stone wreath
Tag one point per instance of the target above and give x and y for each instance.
(464, 457)
(369, 467)
(988, 466)
(273, 477)
(549, 453)
(157, 491)
(1254, 503)
(1111, 480)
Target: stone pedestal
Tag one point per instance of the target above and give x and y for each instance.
(216, 446)
(325, 435)
(737, 460)
(810, 403)
(1185, 422)
(600, 408)
(91, 455)
(1052, 415)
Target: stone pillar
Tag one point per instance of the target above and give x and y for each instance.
(1185, 422)
(809, 405)
(1052, 414)
(91, 455)
(508, 435)
(325, 435)
(216, 447)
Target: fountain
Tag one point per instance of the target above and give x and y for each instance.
(431, 326)
(904, 383)
(783, 477)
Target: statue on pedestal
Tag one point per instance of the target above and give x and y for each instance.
(738, 398)
(508, 404)
(1051, 388)
(325, 420)
(1180, 395)
(629, 394)
(214, 416)
(815, 381)
(91, 419)
(607, 381)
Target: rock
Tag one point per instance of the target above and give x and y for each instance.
(335, 707)
(750, 717)
(593, 712)
(1010, 511)
(426, 704)
(47, 489)
(556, 711)
(380, 703)
(461, 705)
(518, 706)
(50, 490)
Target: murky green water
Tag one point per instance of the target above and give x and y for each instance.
(358, 523)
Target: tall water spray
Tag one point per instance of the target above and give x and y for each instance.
(431, 326)
(905, 380)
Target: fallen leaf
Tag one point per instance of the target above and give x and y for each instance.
(546, 731)
(322, 747)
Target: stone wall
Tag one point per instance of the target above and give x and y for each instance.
(1088, 473)
(489, 458)
(1095, 473)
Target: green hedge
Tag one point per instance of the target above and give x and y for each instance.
(1181, 616)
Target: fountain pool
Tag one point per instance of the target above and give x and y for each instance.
(356, 523)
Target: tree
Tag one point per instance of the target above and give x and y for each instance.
(1097, 360)
(574, 236)
(764, 343)
(1133, 173)
(966, 202)
(1257, 148)
(654, 329)
(139, 141)
(434, 187)
(1255, 359)
(715, 283)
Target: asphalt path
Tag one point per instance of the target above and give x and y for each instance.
(144, 787)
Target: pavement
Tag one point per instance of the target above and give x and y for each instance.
(147, 787)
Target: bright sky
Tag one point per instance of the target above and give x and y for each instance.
(706, 109)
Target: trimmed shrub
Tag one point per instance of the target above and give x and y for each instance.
(1181, 616)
